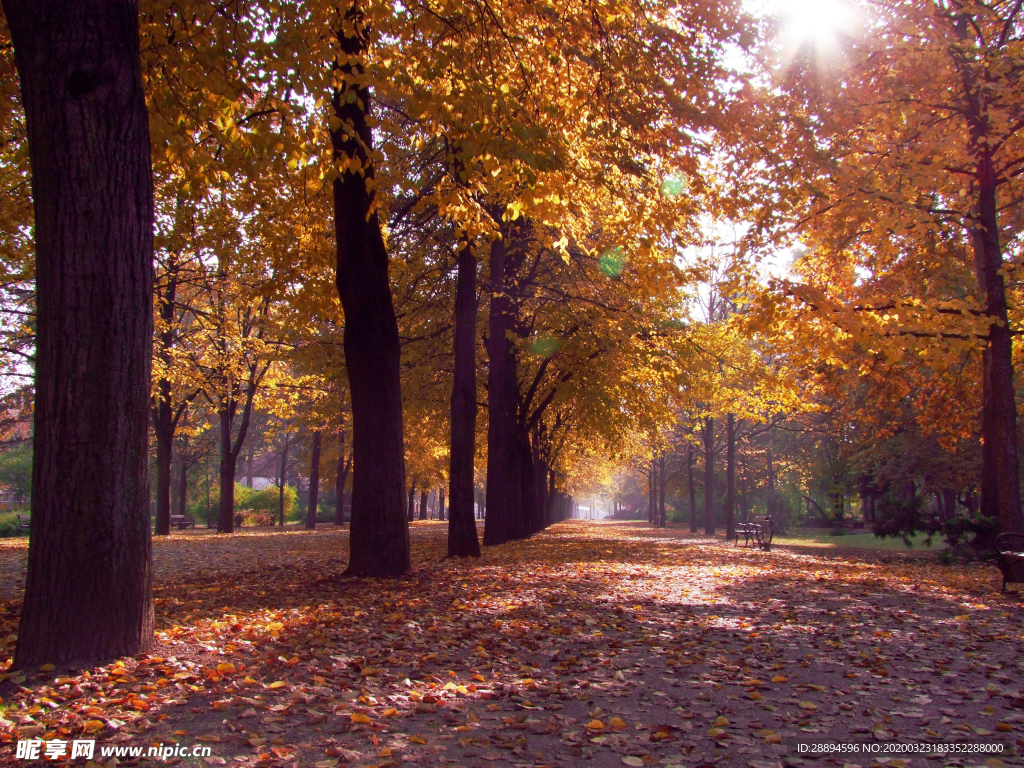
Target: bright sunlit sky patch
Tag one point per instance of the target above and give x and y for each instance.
(815, 27)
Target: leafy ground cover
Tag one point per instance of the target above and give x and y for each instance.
(591, 644)
(858, 539)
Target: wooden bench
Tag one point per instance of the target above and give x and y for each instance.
(1011, 557)
(760, 531)
(24, 523)
(182, 522)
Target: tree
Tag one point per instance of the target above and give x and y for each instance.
(932, 94)
(92, 188)
(379, 539)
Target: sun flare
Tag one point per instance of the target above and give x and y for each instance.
(821, 24)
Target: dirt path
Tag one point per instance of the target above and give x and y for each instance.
(592, 644)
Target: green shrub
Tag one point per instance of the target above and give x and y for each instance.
(253, 505)
(9, 525)
(16, 469)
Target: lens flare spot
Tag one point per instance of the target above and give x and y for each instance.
(612, 261)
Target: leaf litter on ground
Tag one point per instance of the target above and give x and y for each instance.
(593, 644)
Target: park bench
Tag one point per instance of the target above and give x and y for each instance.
(760, 532)
(24, 523)
(182, 522)
(1011, 557)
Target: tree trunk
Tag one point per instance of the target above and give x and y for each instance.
(998, 377)
(411, 513)
(163, 430)
(226, 504)
(989, 482)
(709, 476)
(771, 469)
(504, 482)
(462, 540)
(248, 465)
(379, 537)
(280, 484)
(523, 520)
(652, 492)
(693, 488)
(88, 139)
(314, 479)
(340, 480)
(183, 488)
(730, 478)
(440, 504)
(662, 521)
(539, 476)
(424, 497)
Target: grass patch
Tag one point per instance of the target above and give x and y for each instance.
(824, 538)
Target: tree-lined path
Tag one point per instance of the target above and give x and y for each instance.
(599, 644)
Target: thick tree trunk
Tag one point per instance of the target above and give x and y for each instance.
(379, 538)
(163, 430)
(693, 488)
(1001, 425)
(226, 505)
(411, 511)
(730, 477)
(462, 539)
(424, 497)
(440, 504)
(314, 479)
(504, 482)
(709, 476)
(989, 481)
(88, 139)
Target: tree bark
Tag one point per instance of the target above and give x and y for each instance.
(462, 539)
(183, 487)
(662, 521)
(1000, 464)
(164, 422)
(163, 431)
(424, 497)
(709, 476)
(693, 488)
(504, 482)
(652, 494)
(411, 512)
(440, 504)
(314, 479)
(340, 479)
(379, 538)
(88, 138)
(281, 480)
(730, 477)
(989, 506)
